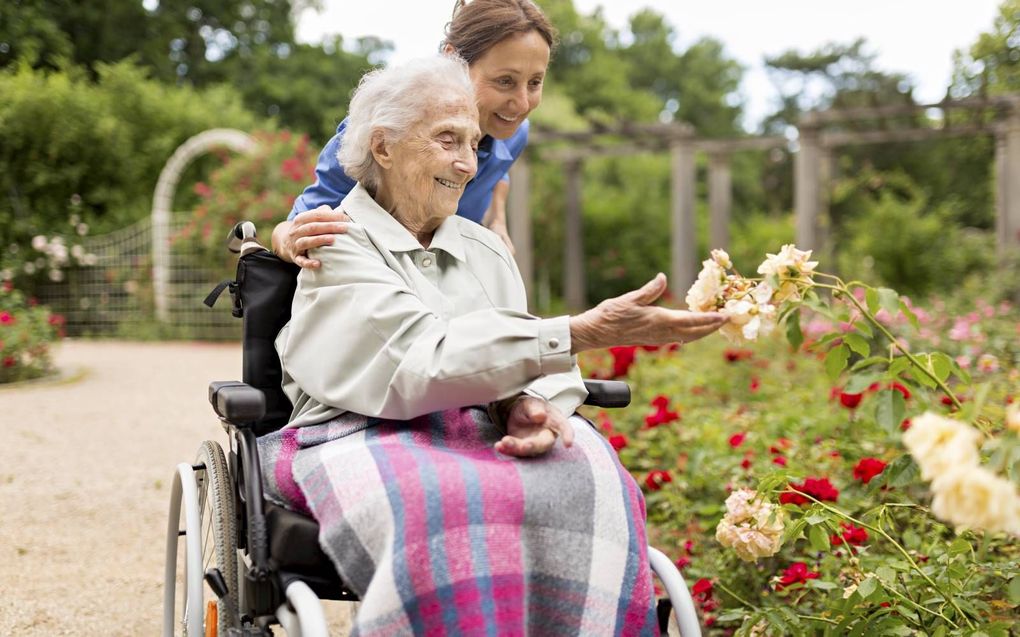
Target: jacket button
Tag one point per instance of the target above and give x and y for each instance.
(554, 343)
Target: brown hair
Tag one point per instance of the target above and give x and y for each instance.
(478, 25)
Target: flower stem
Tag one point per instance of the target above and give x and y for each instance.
(740, 599)
(842, 289)
(880, 531)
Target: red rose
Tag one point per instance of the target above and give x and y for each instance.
(6, 318)
(702, 588)
(900, 387)
(779, 460)
(734, 355)
(656, 479)
(10, 361)
(737, 439)
(623, 358)
(662, 415)
(868, 468)
(746, 463)
(818, 488)
(905, 424)
(619, 441)
(852, 535)
(755, 384)
(689, 547)
(850, 401)
(683, 562)
(797, 573)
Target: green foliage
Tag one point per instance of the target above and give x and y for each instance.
(257, 187)
(26, 332)
(992, 64)
(95, 147)
(893, 234)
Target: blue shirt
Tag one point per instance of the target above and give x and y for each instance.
(495, 156)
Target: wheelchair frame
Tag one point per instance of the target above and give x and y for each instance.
(256, 590)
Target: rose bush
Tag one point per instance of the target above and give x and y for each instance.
(851, 477)
(26, 332)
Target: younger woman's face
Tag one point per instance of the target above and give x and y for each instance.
(508, 81)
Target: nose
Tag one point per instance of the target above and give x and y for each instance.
(519, 98)
(466, 162)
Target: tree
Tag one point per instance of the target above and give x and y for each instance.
(992, 64)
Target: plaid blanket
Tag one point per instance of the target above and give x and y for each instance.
(441, 535)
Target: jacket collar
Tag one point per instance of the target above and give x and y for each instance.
(391, 235)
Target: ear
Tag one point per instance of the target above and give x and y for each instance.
(448, 49)
(381, 149)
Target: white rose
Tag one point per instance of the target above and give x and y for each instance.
(940, 444)
(976, 498)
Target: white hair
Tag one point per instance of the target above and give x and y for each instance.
(392, 100)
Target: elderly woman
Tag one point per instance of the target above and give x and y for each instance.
(432, 435)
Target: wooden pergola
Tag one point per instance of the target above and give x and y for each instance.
(820, 133)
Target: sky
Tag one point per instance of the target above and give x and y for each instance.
(915, 37)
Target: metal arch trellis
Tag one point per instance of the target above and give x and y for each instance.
(138, 273)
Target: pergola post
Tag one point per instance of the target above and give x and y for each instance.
(720, 199)
(807, 185)
(683, 246)
(574, 284)
(519, 221)
(1007, 166)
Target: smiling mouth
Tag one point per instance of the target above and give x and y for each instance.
(449, 184)
(509, 120)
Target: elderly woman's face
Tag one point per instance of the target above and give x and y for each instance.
(432, 163)
(508, 81)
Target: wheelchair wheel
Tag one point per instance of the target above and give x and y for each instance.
(216, 547)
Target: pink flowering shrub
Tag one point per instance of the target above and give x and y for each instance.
(259, 187)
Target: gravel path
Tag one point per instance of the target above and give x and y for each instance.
(85, 471)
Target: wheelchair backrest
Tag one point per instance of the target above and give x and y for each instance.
(264, 289)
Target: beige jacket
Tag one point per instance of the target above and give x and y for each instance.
(389, 329)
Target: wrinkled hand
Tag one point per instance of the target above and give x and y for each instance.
(312, 229)
(631, 319)
(499, 227)
(532, 427)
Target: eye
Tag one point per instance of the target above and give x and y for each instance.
(446, 139)
(505, 82)
(535, 83)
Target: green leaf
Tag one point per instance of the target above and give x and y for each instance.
(889, 409)
(899, 365)
(889, 300)
(941, 364)
(868, 362)
(793, 332)
(922, 378)
(818, 538)
(836, 360)
(871, 297)
(900, 471)
(857, 343)
(886, 574)
(730, 616)
(821, 584)
(907, 312)
(1014, 590)
(866, 588)
(864, 328)
(860, 382)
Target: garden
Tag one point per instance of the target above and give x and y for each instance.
(843, 459)
(842, 462)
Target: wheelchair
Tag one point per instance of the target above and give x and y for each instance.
(238, 565)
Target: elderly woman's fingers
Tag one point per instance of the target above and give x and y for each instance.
(533, 445)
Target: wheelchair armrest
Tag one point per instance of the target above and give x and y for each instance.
(237, 403)
(607, 393)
